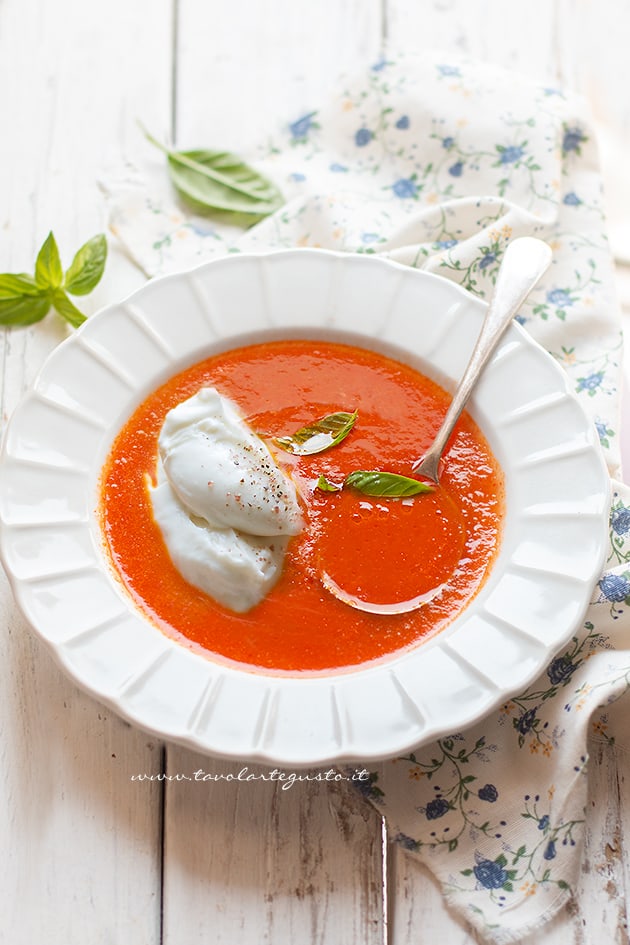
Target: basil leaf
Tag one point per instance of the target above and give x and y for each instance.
(16, 285)
(24, 310)
(220, 181)
(326, 486)
(25, 299)
(48, 271)
(87, 266)
(387, 485)
(319, 436)
(67, 309)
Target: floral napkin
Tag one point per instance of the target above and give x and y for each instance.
(438, 164)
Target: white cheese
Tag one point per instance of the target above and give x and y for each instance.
(225, 509)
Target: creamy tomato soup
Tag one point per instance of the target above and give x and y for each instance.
(380, 550)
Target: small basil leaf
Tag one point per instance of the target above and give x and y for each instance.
(319, 436)
(220, 181)
(87, 266)
(48, 271)
(67, 309)
(326, 486)
(388, 485)
(16, 285)
(21, 311)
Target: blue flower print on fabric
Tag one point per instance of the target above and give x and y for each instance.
(511, 154)
(615, 587)
(591, 382)
(337, 168)
(560, 670)
(456, 170)
(380, 64)
(488, 793)
(447, 70)
(437, 808)
(448, 143)
(620, 520)
(406, 842)
(363, 137)
(403, 123)
(603, 431)
(487, 260)
(543, 823)
(446, 244)
(559, 297)
(490, 874)
(299, 129)
(550, 851)
(201, 229)
(405, 187)
(297, 177)
(525, 722)
(572, 200)
(573, 139)
(368, 788)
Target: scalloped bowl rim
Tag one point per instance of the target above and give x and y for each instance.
(530, 605)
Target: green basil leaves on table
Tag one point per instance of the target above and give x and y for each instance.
(26, 299)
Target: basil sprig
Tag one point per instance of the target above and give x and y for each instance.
(319, 436)
(385, 484)
(219, 182)
(26, 299)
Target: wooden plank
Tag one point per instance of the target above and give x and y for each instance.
(522, 40)
(417, 912)
(244, 69)
(250, 861)
(81, 843)
(589, 63)
(622, 774)
(602, 890)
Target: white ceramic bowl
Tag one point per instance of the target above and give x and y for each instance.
(555, 535)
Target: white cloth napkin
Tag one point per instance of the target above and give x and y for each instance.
(438, 164)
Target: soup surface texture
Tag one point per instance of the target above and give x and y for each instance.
(381, 550)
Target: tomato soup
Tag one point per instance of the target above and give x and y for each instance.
(381, 550)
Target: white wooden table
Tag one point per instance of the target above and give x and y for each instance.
(87, 855)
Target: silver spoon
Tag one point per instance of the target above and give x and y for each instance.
(524, 262)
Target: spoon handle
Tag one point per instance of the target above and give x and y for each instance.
(524, 262)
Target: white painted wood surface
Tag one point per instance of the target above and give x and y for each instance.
(80, 848)
(87, 854)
